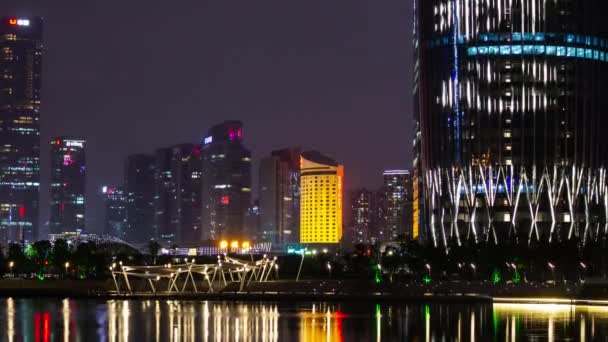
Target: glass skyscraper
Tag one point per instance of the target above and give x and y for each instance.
(20, 81)
(68, 183)
(226, 183)
(509, 102)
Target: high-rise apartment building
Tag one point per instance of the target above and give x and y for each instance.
(226, 183)
(509, 118)
(139, 192)
(20, 83)
(321, 180)
(280, 196)
(68, 185)
(396, 201)
(115, 211)
(177, 199)
(362, 220)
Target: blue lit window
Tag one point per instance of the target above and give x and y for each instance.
(516, 49)
(596, 55)
(588, 40)
(580, 53)
(571, 52)
(570, 38)
(528, 36)
(601, 56)
(539, 50)
(505, 50)
(472, 51)
(588, 53)
(483, 37)
(579, 40)
(482, 50)
(561, 51)
(539, 37)
(551, 50)
(446, 41)
(460, 39)
(528, 49)
(516, 37)
(494, 50)
(595, 41)
(493, 37)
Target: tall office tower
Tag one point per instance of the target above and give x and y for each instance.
(397, 204)
(362, 210)
(280, 196)
(177, 199)
(68, 183)
(115, 205)
(139, 191)
(510, 117)
(226, 194)
(20, 82)
(320, 199)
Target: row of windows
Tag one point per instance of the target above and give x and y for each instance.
(547, 50)
(567, 38)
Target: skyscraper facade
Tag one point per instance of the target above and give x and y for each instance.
(115, 211)
(320, 199)
(226, 183)
(20, 83)
(280, 196)
(396, 202)
(362, 211)
(139, 192)
(68, 185)
(177, 199)
(509, 116)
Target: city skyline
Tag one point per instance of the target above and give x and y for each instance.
(272, 92)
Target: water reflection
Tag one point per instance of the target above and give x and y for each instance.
(167, 320)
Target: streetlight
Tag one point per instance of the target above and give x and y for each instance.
(428, 267)
(329, 269)
(584, 267)
(474, 268)
(10, 266)
(552, 267)
(67, 265)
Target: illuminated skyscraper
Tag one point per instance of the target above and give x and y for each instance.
(320, 199)
(510, 100)
(68, 183)
(115, 203)
(20, 81)
(362, 210)
(396, 202)
(280, 196)
(139, 191)
(226, 183)
(177, 197)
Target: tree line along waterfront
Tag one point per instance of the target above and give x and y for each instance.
(384, 265)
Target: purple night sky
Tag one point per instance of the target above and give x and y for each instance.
(132, 76)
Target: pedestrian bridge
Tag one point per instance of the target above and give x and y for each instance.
(192, 277)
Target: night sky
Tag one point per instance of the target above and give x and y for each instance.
(133, 75)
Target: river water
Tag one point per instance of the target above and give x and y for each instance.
(26, 319)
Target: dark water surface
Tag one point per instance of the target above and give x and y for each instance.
(165, 320)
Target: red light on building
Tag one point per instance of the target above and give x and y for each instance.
(225, 200)
(12, 21)
(22, 211)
